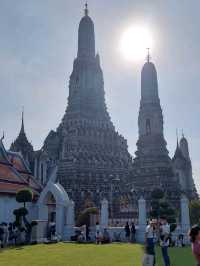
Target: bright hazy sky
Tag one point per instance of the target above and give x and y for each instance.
(38, 45)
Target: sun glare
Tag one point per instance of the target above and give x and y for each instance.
(134, 43)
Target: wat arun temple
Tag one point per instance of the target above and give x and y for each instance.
(92, 158)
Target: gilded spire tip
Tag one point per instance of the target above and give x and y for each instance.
(148, 55)
(86, 9)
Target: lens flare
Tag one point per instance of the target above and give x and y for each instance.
(134, 43)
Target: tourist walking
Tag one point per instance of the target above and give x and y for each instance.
(150, 235)
(195, 239)
(98, 235)
(127, 232)
(164, 240)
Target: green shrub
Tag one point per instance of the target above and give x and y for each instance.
(24, 195)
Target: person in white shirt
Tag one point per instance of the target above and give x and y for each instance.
(150, 234)
(164, 240)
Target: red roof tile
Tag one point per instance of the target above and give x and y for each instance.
(6, 172)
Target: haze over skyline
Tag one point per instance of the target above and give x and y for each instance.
(39, 44)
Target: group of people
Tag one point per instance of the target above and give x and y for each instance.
(9, 234)
(130, 232)
(157, 231)
(102, 238)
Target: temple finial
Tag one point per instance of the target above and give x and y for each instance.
(148, 55)
(183, 134)
(3, 136)
(22, 125)
(86, 9)
(177, 137)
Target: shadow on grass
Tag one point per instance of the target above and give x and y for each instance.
(11, 248)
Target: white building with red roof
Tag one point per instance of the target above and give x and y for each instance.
(14, 175)
(50, 202)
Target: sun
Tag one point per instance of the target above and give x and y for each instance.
(134, 43)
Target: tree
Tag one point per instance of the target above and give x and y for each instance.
(157, 194)
(161, 208)
(24, 195)
(84, 217)
(195, 212)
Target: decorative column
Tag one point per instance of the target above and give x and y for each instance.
(104, 213)
(185, 215)
(35, 168)
(59, 220)
(45, 172)
(142, 219)
(70, 221)
(39, 171)
(70, 214)
(39, 232)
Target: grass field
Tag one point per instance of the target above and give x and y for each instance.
(86, 255)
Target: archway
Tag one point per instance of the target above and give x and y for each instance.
(53, 205)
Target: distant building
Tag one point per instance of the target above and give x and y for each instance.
(89, 151)
(152, 167)
(182, 167)
(37, 161)
(22, 145)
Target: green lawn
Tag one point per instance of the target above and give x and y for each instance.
(86, 255)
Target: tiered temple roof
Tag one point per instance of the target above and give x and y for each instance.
(15, 173)
(22, 145)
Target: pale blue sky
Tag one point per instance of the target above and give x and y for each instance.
(38, 45)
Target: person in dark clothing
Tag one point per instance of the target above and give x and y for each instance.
(87, 233)
(195, 239)
(106, 237)
(1, 235)
(127, 232)
(10, 233)
(133, 231)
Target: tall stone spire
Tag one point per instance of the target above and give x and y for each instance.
(88, 147)
(86, 36)
(149, 82)
(86, 86)
(152, 164)
(151, 143)
(178, 152)
(184, 147)
(150, 119)
(183, 168)
(21, 144)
